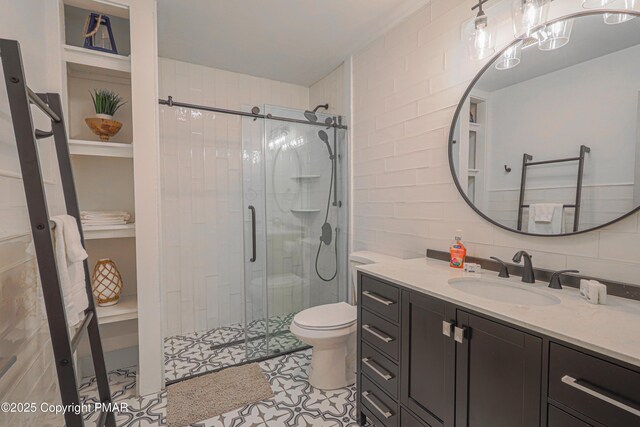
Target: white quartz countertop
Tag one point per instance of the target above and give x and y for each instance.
(612, 329)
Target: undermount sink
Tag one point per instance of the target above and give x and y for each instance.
(503, 291)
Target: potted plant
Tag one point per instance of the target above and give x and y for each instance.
(106, 103)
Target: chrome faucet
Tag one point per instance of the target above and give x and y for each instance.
(527, 271)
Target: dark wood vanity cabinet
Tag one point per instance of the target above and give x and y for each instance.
(425, 362)
(498, 374)
(427, 366)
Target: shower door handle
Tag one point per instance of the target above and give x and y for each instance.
(253, 233)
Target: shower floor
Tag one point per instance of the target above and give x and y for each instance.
(210, 350)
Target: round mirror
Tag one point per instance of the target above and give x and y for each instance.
(546, 140)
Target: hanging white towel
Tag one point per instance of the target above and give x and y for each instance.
(69, 258)
(546, 218)
(543, 212)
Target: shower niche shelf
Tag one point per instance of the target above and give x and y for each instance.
(305, 177)
(305, 211)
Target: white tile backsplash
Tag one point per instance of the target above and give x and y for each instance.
(406, 86)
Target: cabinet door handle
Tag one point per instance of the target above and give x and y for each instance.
(384, 411)
(459, 334)
(371, 364)
(580, 385)
(376, 333)
(447, 327)
(378, 298)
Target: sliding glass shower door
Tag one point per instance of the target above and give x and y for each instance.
(292, 185)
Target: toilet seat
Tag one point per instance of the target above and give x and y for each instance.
(327, 317)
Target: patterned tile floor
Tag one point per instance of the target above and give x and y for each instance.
(204, 351)
(295, 403)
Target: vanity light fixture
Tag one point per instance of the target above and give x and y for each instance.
(555, 35)
(592, 4)
(527, 15)
(481, 40)
(510, 58)
(619, 18)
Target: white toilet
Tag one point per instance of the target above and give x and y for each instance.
(331, 330)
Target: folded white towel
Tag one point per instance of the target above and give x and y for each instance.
(98, 215)
(97, 218)
(69, 259)
(545, 218)
(90, 222)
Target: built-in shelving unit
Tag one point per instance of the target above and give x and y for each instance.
(118, 175)
(475, 149)
(104, 171)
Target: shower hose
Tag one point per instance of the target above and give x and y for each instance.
(326, 217)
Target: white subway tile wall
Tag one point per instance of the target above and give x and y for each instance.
(24, 332)
(329, 90)
(202, 204)
(407, 84)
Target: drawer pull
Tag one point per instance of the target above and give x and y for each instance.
(578, 384)
(371, 364)
(378, 298)
(377, 405)
(376, 333)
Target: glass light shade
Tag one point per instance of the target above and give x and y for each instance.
(481, 41)
(592, 4)
(527, 15)
(510, 57)
(555, 35)
(619, 18)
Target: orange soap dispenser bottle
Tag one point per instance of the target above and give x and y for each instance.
(457, 251)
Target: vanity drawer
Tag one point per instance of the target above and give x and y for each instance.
(380, 297)
(603, 391)
(376, 403)
(379, 369)
(559, 418)
(408, 420)
(381, 334)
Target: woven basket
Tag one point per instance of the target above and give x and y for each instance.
(107, 283)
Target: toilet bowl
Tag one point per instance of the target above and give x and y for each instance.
(331, 330)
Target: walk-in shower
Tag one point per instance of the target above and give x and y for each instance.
(267, 228)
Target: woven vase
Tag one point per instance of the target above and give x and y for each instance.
(107, 283)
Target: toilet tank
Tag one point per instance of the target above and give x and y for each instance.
(363, 258)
